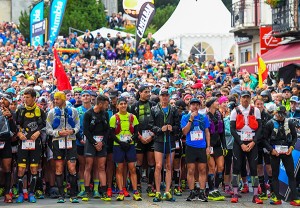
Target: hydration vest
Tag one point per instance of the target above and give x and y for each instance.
(118, 124)
(57, 117)
(240, 120)
(276, 127)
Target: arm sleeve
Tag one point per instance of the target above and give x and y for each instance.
(236, 137)
(267, 135)
(155, 129)
(86, 129)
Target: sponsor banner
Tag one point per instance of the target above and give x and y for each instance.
(36, 15)
(267, 41)
(38, 28)
(146, 15)
(56, 14)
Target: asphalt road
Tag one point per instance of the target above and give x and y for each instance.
(147, 202)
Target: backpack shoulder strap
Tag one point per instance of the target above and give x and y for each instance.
(238, 110)
(251, 112)
(118, 125)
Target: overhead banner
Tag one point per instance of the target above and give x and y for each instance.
(56, 14)
(267, 41)
(146, 15)
(36, 15)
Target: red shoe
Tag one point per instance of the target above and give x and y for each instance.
(234, 199)
(245, 189)
(295, 203)
(8, 198)
(256, 200)
(25, 196)
(126, 194)
(109, 192)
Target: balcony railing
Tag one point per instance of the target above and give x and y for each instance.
(245, 14)
(285, 17)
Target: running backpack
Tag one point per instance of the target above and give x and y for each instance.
(240, 120)
(57, 116)
(118, 124)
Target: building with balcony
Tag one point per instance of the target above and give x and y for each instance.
(246, 18)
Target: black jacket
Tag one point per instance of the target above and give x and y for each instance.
(159, 121)
(280, 138)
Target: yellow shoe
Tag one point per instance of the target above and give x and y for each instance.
(104, 197)
(85, 199)
(120, 197)
(137, 196)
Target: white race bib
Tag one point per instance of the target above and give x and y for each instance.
(281, 149)
(125, 138)
(62, 144)
(28, 145)
(146, 133)
(98, 138)
(211, 149)
(2, 144)
(177, 145)
(246, 136)
(196, 134)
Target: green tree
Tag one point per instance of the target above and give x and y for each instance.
(162, 15)
(79, 14)
(24, 24)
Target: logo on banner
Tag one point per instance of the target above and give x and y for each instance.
(267, 40)
(133, 7)
(36, 15)
(56, 16)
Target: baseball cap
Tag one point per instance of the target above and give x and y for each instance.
(245, 93)
(164, 92)
(178, 82)
(180, 104)
(294, 99)
(195, 100)
(286, 88)
(236, 80)
(113, 94)
(7, 97)
(281, 110)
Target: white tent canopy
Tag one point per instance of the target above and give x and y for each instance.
(103, 31)
(201, 21)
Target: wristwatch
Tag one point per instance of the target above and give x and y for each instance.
(190, 121)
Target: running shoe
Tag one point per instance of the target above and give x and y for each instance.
(157, 197)
(192, 196)
(139, 189)
(257, 200)
(20, 198)
(167, 196)
(96, 195)
(8, 198)
(74, 200)
(137, 196)
(274, 200)
(220, 196)
(234, 199)
(61, 200)
(295, 202)
(177, 191)
(263, 196)
(105, 197)
(120, 197)
(39, 194)
(202, 197)
(82, 194)
(126, 193)
(26, 196)
(245, 189)
(212, 195)
(109, 192)
(150, 191)
(31, 198)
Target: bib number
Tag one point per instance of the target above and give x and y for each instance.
(196, 135)
(98, 138)
(281, 149)
(2, 144)
(28, 145)
(62, 144)
(246, 136)
(125, 138)
(146, 133)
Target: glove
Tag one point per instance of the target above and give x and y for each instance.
(225, 152)
(125, 146)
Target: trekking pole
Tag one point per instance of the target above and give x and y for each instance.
(170, 153)
(66, 148)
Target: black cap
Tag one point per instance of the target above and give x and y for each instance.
(164, 92)
(195, 100)
(180, 104)
(122, 99)
(216, 93)
(245, 93)
(210, 101)
(281, 110)
(113, 94)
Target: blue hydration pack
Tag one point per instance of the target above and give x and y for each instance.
(57, 116)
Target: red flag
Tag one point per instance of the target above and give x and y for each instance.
(59, 73)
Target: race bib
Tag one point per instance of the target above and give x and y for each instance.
(2, 144)
(98, 138)
(211, 150)
(281, 149)
(125, 138)
(62, 144)
(28, 145)
(246, 136)
(146, 133)
(177, 146)
(196, 135)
